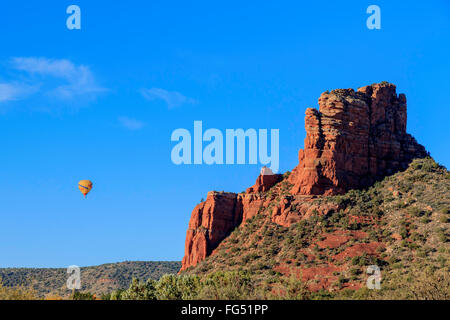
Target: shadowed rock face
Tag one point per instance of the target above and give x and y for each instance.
(211, 221)
(354, 139)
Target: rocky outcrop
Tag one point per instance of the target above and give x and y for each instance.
(211, 221)
(214, 219)
(266, 180)
(291, 210)
(354, 139)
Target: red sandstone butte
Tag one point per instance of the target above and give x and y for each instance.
(353, 140)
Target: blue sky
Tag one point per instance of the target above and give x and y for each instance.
(101, 103)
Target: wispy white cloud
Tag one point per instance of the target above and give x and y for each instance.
(10, 91)
(173, 99)
(130, 123)
(79, 80)
(57, 68)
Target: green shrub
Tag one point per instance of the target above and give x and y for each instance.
(77, 295)
(16, 293)
(425, 220)
(137, 291)
(415, 212)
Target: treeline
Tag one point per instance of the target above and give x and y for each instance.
(240, 285)
(417, 284)
(231, 285)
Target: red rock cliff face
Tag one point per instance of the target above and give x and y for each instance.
(353, 139)
(214, 219)
(211, 221)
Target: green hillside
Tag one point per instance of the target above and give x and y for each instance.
(95, 279)
(400, 224)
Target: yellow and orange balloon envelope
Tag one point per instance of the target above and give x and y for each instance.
(85, 186)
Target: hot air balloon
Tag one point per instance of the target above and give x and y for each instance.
(85, 186)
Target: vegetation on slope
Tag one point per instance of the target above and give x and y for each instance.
(400, 224)
(51, 282)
